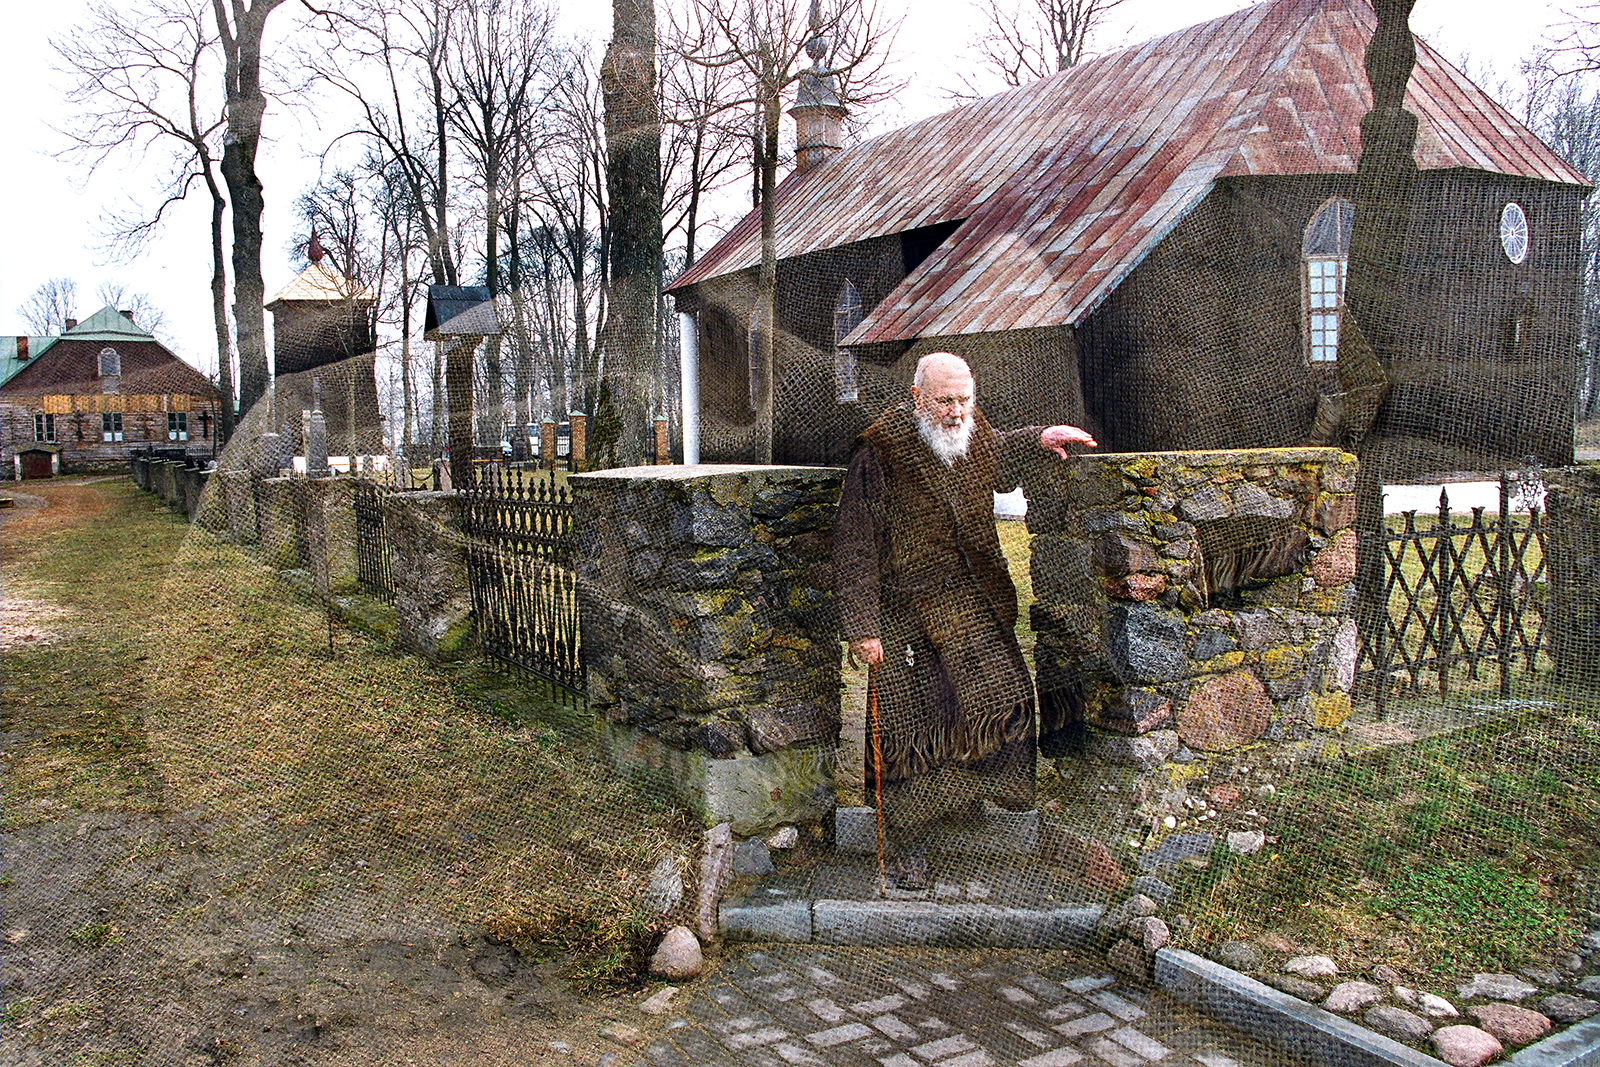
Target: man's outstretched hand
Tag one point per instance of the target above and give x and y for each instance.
(870, 649)
(1054, 438)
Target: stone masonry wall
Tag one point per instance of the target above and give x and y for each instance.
(1202, 598)
(710, 635)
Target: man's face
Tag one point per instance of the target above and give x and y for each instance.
(945, 397)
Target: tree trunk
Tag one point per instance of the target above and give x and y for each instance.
(458, 385)
(241, 40)
(1377, 326)
(633, 182)
(219, 311)
(766, 287)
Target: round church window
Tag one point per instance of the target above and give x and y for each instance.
(1514, 232)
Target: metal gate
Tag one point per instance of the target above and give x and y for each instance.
(1464, 598)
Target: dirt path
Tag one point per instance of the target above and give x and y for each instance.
(123, 938)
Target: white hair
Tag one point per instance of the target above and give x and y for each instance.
(938, 357)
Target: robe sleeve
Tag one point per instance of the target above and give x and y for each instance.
(860, 546)
(1017, 451)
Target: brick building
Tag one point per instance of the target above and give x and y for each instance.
(82, 400)
(1153, 245)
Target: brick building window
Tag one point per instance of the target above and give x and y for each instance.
(177, 425)
(846, 317)
(1325, 262)
(110, 363)
(44, 428)
(111, 426)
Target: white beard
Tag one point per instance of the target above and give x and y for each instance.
(949, 443)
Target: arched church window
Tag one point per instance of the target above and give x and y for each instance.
(846, 317)
(110, 363)
(1324, 265)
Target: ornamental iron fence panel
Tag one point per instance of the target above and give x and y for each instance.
(520, 570)
(374, 562)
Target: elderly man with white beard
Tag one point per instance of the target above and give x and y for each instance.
(926, 601)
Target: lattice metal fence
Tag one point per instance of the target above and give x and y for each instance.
(520, 571)
(1465, 599)
(374, 562)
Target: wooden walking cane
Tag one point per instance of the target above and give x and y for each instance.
(877, 767)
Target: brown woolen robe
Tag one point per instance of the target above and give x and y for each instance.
(917, 564)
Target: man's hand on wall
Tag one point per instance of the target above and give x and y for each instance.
(870, 649)
(1054, 438)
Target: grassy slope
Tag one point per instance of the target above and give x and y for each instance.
(191, 682)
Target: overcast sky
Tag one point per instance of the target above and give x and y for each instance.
(49, 215)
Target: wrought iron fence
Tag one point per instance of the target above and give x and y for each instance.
(520, 560)
(374, 566)
(1462, 598)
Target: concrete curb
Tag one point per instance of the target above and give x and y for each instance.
(885, 923)
(1576, 1046)
(1305, 1030)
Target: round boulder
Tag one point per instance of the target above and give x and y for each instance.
(678, 956)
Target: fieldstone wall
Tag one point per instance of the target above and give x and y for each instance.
(278, 520)
(432, 602)
(710, 635)
(239, 505)
(1195, 598)
(330, 518)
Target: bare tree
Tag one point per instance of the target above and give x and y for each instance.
(138, 306)
(769, 46)
(704, 140)
(241, 25)
(140, 81)
(46, 312)
(496, 65)
(1036, 38)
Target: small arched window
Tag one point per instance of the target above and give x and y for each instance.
(1324, 265)
(846, 317)
(110, 363)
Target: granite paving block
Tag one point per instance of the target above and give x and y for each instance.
(826, 1010)
(789, 1052)
(943, 1048)
(1112, 1053)
(892, 1025)
(1115, 1005)
(1135, 1040)
(1061, 1057)
(838, 1035)
(1087, 1025)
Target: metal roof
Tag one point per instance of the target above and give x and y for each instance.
(10, 364)
(324, 285)
(460, 311)
(107, 324)
(1065, 184)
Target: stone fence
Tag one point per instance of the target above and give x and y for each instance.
(1201, 599)
(710, 636)
(179, 483)
(1197, 598)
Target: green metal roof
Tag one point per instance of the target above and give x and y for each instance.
(107, 324)
(10, 365)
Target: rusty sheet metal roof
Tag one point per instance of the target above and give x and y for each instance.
(1065, 184)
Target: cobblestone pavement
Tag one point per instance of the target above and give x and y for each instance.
(813, 1006)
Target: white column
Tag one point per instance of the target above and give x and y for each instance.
(689, 369)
